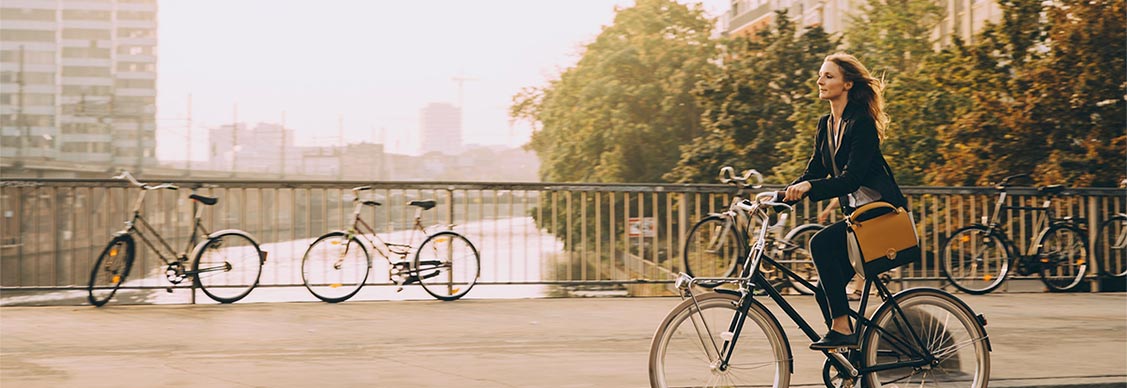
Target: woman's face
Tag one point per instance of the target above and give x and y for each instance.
(831, 84)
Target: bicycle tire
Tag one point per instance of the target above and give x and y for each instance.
(447, 265)
(701, 261)
(334, 273)
(227, 266)
(1064, 255)
(798, 257)
(678, 345)
(947, 328)
(983, 251)
(113, 267)
(1111, 247)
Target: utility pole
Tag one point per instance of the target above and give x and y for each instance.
(283, 146)
(461, 81)
(188, 149)
(340, 153)
(234, 137)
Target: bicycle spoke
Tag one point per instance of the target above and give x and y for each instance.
(947, 352)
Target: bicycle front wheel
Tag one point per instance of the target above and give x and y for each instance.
(975, 260)
(798, 258)
(335, 267)
(228, 267)
(110, 269)
(689, 346)
(938, 332)
(713, 247)
(1111, 246)
(1063, 253)
(447, 265)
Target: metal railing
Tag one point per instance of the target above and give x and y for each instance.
(527, 233)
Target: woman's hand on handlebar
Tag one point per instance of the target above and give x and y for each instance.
(795, 192)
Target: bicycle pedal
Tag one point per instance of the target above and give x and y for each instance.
(398, 290)
(168, 290)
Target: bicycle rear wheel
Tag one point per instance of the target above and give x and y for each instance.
(685, 351)
(447, 265)
(947, 330)
(712, 249)
(111, 269)
(1063, 253)
(1111, 246)
(335, 267)
(228, 267)
(975, 260)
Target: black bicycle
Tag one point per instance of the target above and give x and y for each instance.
(1111, 246)
(226, 264)
(727, 338)
(977, 258)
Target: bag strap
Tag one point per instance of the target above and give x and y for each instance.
(867, 207)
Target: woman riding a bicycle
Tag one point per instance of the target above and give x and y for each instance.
(846, 164)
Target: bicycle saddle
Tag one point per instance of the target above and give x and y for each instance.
(426, 205)
(1051, 189)
(204, 200)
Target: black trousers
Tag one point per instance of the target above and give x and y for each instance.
(831, 257)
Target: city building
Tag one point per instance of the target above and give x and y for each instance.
(78, 81)
(441, 127)
(266, 148)
(747, 17)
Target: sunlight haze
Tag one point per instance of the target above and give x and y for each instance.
(365, 66)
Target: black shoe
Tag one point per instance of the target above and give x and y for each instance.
(834, 340)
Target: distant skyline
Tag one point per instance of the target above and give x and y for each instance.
(371, 65)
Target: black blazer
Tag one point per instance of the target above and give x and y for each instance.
(858, 160)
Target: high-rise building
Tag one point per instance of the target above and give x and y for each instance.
(747, 17)
(78, 80)
(441, 127)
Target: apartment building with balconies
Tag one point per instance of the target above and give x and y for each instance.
(78, 81)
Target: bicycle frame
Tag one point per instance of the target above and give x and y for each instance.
(361, 228)
(132, 228)
(751, 278)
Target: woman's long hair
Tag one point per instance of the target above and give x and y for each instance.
(866, 90)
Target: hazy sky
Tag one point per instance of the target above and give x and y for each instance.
(373, 63)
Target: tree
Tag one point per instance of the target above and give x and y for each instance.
(1049, 98)
(748, 104)
(893, 39)
(621, 112)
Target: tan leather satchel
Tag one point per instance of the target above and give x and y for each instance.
(881, 237)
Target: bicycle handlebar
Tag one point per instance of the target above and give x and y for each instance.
(1006, 181)
(767, 198)
(129, 177)
(728, 175)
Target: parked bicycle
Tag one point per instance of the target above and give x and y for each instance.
(921, 337)
(336, 265)
(717, 242)
(226, 264)
(977, 258)
(1111, 246)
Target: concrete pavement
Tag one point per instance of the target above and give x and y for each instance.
(1039, 339)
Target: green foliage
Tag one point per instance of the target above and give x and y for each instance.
(621, 113)
(1047, 98)
(655, 99)
(748, 104)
